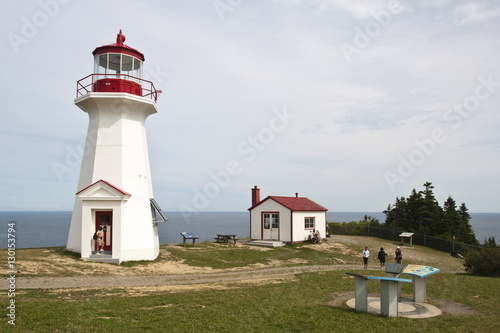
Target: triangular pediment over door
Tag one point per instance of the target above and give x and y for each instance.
(102, 190)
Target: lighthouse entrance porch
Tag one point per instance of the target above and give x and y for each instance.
(104, 219)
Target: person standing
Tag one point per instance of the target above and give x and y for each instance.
(365, 254)
(100, 240)
(399, 255)
(381, 257)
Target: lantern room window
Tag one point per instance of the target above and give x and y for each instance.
(117, 69)
(116, 65)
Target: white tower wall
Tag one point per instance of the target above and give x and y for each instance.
(116, 152)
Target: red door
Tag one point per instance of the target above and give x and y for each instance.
(105, 219)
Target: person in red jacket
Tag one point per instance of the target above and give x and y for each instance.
(399, 255)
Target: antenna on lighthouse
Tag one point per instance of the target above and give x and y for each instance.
(120, 38)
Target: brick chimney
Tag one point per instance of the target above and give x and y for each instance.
(255, 195)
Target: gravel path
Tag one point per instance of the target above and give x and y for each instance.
(181, 279)
(173, 273)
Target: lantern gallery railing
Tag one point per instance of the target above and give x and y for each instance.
(116, 83)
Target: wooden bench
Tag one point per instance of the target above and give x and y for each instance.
(225, 238)
(188, 235)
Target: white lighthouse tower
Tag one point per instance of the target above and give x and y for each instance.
(114, 190)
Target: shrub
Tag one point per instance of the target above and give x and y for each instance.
(484, 262)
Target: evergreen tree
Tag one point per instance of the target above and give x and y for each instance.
(431, 214)
(490, 242)
(396, 216)
(469, 235)
(421, 213)
(452, 220)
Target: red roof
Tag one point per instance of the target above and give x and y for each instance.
(115, 48)
(119, 47)
(295, 203)
(108, 183)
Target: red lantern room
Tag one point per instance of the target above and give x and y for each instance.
(117, 68)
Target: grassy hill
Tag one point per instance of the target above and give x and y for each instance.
(276, 303)
(205, 256)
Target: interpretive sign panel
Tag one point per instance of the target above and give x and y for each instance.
(420, 270)
(394, 268)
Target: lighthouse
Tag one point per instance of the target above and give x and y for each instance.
(115, 193)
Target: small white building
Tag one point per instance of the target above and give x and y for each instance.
(285, 219)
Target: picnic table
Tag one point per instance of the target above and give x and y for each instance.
(188, 235)
(221, 238)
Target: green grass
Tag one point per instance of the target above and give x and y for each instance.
(212, 255)
(59, 262)
(302, 305)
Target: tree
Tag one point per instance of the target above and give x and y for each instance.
(414, 211)
(490, 242)
(421, 213)
(371, 221)
(396, 215)
(469, 235)
(431, 214)
(451, 219)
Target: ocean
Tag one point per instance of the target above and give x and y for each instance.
(50, 229)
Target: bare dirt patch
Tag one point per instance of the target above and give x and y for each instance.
(41, 269)
(411, 255)
(52, 263)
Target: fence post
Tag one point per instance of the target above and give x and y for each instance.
(424, 240)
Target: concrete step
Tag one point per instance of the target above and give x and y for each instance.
(268, 243)
(104, 257)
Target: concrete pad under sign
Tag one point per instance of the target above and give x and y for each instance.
(406, 309)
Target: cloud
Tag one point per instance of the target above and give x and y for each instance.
(222, 80)
(476, 13)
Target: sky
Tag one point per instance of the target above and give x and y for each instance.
(348, 103)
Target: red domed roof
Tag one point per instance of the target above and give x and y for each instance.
(119, 47)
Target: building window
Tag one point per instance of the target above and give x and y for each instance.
(271, 220)
(309, 223)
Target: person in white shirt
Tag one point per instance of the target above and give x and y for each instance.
(365, 254)
(317, 235)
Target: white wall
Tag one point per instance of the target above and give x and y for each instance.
(268, 206)
(300, 233)
(290, 230)
(116, 151)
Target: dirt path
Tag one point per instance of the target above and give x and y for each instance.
(169, 280)
(85, 274)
